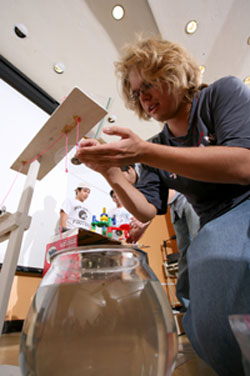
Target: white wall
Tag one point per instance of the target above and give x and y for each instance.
(20, 122)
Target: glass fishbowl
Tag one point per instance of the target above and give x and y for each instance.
(99, 311)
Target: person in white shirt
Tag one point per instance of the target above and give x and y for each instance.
(132, 174)
(74, 212)
(122, 216)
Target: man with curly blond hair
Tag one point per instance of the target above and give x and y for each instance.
(202, 152)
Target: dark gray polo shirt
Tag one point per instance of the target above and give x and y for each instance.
(220, 115)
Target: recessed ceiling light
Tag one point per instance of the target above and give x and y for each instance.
(202, 68)
(248, 40)
(112, 118)
(118, 12)
(21, 30)
(247, 80)
(59, 68)
(191, 27)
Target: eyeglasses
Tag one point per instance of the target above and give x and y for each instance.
(135, 95)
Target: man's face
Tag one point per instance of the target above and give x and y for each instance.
(116, 200)
(82, 194)
(156, 101)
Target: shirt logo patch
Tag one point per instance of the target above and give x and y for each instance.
(172, 176)
(83, 214)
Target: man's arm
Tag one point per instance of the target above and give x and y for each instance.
(214, 164)
(63, 219)
(132, 199)
(137, 229)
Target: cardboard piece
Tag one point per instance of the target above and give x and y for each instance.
(63, 120)
(74, 238)
(9, 222)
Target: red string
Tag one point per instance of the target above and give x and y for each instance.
(66, 152)
(7, 194)
(45, 151)
(29, 162)
(77, 133)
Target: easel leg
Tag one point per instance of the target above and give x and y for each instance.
(15, 241)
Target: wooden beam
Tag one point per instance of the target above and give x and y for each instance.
(8, 222)
(63, 121)
(15, 241)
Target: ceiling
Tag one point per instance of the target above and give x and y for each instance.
(83, 36)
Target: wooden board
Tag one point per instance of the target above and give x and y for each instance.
(9, 222)
(63, 120)
(84, 237)
(72, 239)
(87, 237)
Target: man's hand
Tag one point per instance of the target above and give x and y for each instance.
(117, 153)
(137, 229)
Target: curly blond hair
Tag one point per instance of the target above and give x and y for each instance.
(158, 61)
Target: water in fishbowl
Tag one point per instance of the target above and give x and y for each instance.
(99, 328)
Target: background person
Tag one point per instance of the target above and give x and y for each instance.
(131, 172)
(74, 212)
(186, 225)
(121, 214)
(202, 152)
(137, 228)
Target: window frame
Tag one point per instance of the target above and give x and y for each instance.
(19, 81)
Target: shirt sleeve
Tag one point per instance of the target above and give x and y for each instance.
(151, 186)
(230, 105)
(66, 206)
